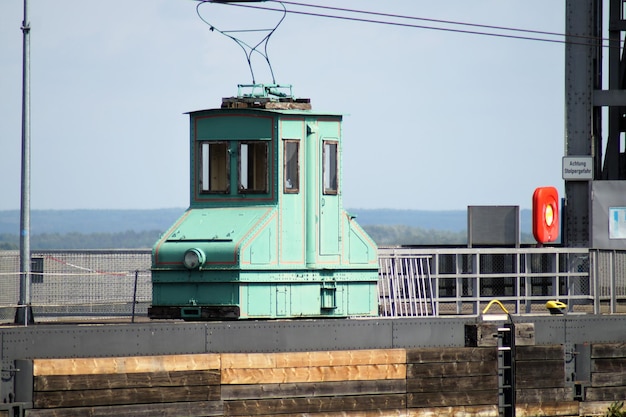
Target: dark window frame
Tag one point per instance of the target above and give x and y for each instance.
(330, 183)
(293, 186)
(201, 170)
(257, 172)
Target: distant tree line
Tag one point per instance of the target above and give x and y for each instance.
(383, 235)
(53, 241)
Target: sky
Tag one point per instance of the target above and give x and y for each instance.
(434, 120)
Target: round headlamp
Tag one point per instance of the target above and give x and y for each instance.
(194, 258)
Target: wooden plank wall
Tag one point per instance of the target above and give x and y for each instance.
(318, 384)
(131, 386)
(608, 372)
(455, 378)
(365, 383)
(608, 378)
(351, 382)
(540, 382)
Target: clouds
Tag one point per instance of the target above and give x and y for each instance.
(437, 120)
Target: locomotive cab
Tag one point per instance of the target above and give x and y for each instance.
(265, 234)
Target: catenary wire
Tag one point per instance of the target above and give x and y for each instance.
(593, 41)
(450, 22)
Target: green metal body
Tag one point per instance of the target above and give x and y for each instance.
(264, 245)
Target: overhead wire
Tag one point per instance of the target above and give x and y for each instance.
(450, 22)
(579, 39)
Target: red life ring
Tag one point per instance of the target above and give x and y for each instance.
(546, 214)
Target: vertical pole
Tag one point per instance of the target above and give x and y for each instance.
(22, 314)
(582, 119)
(134, 296)
(594, 279)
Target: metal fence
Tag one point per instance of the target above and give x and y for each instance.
(405, 285)
(66, 284)
(464, 280)
(609, 269)
(413, 281)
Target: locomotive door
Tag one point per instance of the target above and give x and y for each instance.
(322, 192)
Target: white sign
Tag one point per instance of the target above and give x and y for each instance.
(577, 168)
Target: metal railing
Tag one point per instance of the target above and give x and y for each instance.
(73, 283)
(460, 281)
(405, 286)
(413, 281)
(609, 270)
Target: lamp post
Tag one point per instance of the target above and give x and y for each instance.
(23, 314)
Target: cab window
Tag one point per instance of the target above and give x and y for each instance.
(214, 163)
(330, 167)
(253, 167)
(291, 172)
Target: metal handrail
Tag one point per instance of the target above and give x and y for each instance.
(510, 274)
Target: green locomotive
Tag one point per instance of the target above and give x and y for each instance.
(265, 235)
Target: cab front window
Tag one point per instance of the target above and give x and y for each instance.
(253, 167)
(214, 163)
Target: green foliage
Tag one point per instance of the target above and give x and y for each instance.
(90, 221)
(615, 410)
(56, 241)
(4, 245)
(385, 235)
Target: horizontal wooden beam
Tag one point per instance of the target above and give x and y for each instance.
(454, 383)
(609, 379)
(451, 398)
(567, 408)
(543, 395)
(124, 396)
(164, 363)
(470, 410)
(588, 408)
(608, 350)
(312, 359)
(315, 405)
(313, 374)
(426, 370)
(132, 380)
(608, 365)
(427, 355)
(360, 413)
(605, 394)
(541, 374)
(539, 353)
(188, 409)
(315, 389)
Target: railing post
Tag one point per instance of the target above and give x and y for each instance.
(435, 290)
(613, 283)
(594, 280)
(459, 284)
(476, 282)
(518, 280)
(528, 285)
(134, 296)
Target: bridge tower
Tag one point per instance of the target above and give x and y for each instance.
(594, 165)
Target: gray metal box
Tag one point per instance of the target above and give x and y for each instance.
(493, 226)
